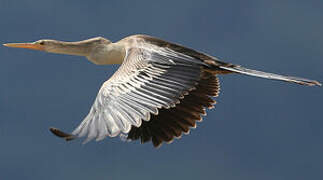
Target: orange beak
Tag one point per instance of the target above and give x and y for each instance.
(26, 45)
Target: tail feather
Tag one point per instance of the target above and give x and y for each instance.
(251, 72)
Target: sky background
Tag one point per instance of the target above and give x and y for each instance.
(260, 129)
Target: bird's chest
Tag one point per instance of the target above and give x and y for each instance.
(104, 56)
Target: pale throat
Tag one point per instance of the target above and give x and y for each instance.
(69, 48)
(99, 54)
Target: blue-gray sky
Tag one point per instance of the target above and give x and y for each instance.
(260, 129)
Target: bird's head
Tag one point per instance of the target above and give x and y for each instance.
(37, 45)
(82, 48)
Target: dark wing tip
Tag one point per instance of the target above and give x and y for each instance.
(317, 83)
(62, 134)
(309, 83)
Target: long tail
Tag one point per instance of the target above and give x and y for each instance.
(250, 72)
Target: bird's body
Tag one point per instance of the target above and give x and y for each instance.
(159, 92)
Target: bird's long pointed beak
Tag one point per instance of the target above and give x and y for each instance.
(26, 46)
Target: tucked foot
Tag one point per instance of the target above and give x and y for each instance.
(61, 134)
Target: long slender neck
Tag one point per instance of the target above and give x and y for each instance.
(79, 48)
(97, 50)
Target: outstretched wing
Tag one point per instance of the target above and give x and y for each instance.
(150, 78)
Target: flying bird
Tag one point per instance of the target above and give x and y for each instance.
(160, 91)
